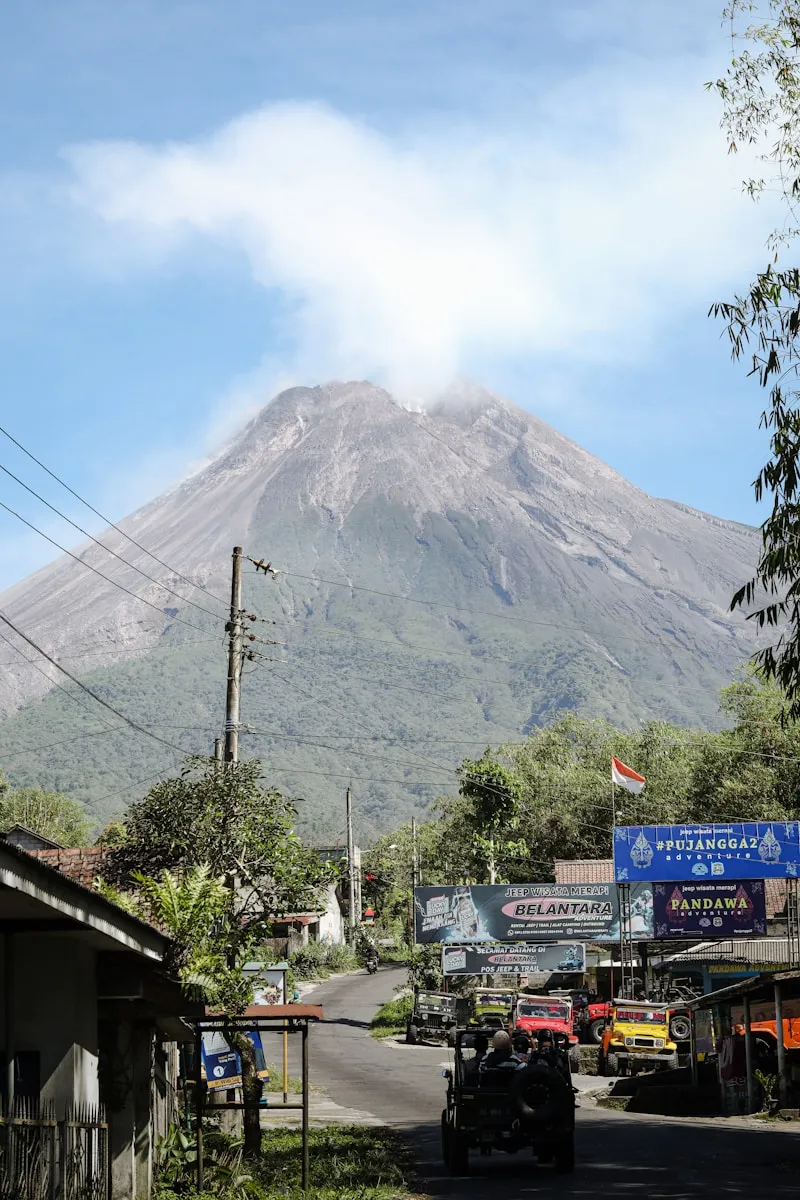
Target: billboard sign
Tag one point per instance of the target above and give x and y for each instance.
(527, 912)
(710, 909)
(739, 850)
(514, 958)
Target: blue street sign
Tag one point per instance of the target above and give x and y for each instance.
(739, 850)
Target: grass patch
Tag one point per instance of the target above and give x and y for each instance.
(392, 1017)
(618, 1102)
(295, 1085)
(347, 1162)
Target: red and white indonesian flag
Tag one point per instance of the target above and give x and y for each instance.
(625, 777)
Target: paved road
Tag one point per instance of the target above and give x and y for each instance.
(619, 1154)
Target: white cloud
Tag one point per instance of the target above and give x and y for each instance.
(410, 259)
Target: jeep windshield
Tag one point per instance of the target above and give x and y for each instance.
(640, 1016)
(493, 1000)
(431, 1000)
(544, 1012)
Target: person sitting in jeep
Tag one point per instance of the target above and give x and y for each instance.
(501, 1054)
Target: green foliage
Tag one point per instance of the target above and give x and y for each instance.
(318, 960)
(760, 113)
(52, 814)
(392, 1017)
(348, 1162)
(242, 831)
(112, 834)
(748, 771)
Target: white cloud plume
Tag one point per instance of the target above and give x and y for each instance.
(407, 259)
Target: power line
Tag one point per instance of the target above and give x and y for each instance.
(479, 612)
(59, 686)
(13, 662)
(106, 520)
(108, 549)
(64, 742)
(89, 692)
(89, 567)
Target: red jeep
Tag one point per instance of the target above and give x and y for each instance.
(532, 1013)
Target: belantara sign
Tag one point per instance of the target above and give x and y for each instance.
(738, 850)
(715, 909)
(527, 912)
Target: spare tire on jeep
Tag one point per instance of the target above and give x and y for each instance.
(539, 1093)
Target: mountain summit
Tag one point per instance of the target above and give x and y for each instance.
(482, 574)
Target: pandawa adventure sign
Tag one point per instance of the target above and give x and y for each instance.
(527, 912)
(739, 850)
(514, 958)
(716, 909)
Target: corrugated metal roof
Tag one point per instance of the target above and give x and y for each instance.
(744, 950)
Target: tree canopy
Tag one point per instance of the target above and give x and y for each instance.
(51, 814)
(760, 93)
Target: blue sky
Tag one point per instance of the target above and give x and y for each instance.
(201, 201)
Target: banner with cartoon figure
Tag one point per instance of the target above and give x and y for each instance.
(527, 912)
(714, 909)
(739, 850)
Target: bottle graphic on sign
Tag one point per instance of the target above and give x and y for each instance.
(466, 914)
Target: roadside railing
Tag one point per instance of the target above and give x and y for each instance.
(42, 1158)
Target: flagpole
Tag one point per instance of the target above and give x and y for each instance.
(619, 907)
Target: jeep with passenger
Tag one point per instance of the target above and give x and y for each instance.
(509, 1108)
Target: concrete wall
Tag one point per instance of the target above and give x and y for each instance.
(52, 1008)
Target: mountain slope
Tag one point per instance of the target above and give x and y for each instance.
(554, 584)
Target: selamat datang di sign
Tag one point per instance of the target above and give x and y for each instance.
(527, 912)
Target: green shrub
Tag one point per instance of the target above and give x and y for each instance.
(340, 958)
(392, 1017)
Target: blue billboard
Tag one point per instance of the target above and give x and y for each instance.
(738, 850)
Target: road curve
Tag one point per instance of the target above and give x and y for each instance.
(619, 1154)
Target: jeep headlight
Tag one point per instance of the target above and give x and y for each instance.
(659, 1043)
(628, 1041)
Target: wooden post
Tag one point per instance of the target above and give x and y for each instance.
(198, 1103)
(235, 642)
(748, 1058)
(305, 1105)
(783, 1082)
(351, 870)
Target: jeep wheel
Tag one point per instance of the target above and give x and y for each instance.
(596, 1031)
(451, 1038)
(565, 1156)
(611, 1065)
(458, 1162)
(412, 1035)
(680, 1027)
(445, 1138)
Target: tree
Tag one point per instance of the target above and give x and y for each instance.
(760, 93)
(54, 815)
(492, 793)
(215, 856)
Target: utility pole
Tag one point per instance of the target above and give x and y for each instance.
(351, 879)
(414, 860)
(235, 647)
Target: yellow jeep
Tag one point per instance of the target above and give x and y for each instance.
(636, 1037)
